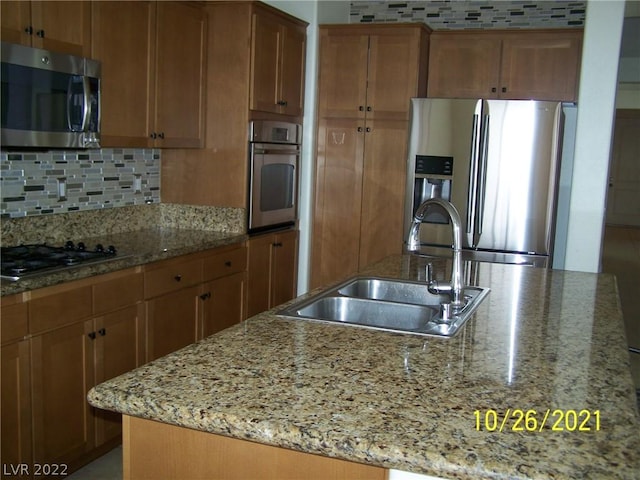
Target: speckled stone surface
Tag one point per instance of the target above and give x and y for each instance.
(541, 340)
(58, 228)
(154, 234)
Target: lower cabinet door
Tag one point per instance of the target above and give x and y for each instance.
(62, 374)
(284, 269)
(223, 303)
(119, 349)
(15, 422)
(172, 322)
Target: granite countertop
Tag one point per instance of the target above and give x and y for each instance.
(134, 248)
(541, 340)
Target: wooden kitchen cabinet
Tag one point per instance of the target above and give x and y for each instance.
(92, 343)
(224, 303)
(367, 76)
(127, 73)
(527, 64)
(118, 348)
(278, 50)
(172, 288)
(153, 94)
(224, 295)
(194, 296)
(15, 384)
(370, 72)
(62, 374)
(171, 322)
(240, 91)
(273, 260)
(63, 26)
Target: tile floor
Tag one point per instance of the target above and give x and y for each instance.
(621, 256)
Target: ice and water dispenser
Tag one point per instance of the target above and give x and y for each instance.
(433, 177)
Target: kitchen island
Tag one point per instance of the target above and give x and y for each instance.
(535, 385)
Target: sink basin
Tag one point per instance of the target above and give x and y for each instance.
(391, 291)
(386, 304)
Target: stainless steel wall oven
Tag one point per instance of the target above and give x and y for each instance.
(274, 154)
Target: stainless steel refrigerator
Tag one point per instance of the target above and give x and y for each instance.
(497, 162)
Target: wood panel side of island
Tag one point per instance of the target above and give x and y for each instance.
(154, 450)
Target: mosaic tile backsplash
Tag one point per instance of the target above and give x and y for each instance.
(465, 14)
(57, 181)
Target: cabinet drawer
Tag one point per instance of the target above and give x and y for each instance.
(172, 276)
(121, 291)
(225, 263)
(13, 320)
(50, 311)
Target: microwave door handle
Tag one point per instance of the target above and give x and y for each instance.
(69, 103)
(86, 100)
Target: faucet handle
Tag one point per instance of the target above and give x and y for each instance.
(428, 273)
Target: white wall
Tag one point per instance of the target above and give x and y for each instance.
(596, 109)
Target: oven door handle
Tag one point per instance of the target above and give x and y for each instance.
(274, 151)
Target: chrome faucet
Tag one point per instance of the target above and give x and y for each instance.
(454, 288)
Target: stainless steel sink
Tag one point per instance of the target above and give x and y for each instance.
(386, 304)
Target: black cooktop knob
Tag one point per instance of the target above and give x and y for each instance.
(69, 245)
(99, 248)
(111, 249)
(81, 247)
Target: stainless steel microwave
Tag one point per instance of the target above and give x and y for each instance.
(48, 99)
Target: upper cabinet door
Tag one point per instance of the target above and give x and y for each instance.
(278, 49)
(180, 65)
(123, 40)
(15, 20)
(464, 65)
(393, 73)
(343, 74)
(527, 64)
(294, 49)
(265, 52)
(541, 65)
(63, 27)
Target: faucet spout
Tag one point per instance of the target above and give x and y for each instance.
(454, 288)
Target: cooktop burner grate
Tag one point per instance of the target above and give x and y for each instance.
(27, 260)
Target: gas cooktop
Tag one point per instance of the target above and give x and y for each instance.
(29, 260)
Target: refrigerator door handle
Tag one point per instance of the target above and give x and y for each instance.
(482, 177)
(473, 174)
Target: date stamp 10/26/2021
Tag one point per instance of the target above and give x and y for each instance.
(34, 469)
(519, 420)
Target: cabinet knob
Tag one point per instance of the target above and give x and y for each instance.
(28, 30)
(102, 332)
(369, 109)
(277, 244)
(494, 89)
(205, 296)
(92, 335)
(361, 108)
(504, 89)
(282, 103)
(177, 278)
(161, 135)
(227, 263)
(368, 129)
(360, 129)
(153, 135)
(40, 33)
